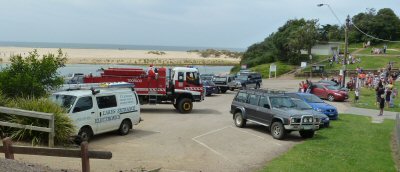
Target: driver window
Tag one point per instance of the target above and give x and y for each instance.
(84, 103)
(180, 76)
(191, 77)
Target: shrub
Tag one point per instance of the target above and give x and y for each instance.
(32, 76)
(63, 124)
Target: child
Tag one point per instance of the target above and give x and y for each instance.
(356, 93)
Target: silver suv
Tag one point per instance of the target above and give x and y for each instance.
(274, 110)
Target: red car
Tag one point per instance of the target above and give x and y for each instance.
(330, 92)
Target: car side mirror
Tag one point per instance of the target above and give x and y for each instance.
(267, 106)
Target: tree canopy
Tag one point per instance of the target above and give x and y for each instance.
(383, 24)
(32, 76)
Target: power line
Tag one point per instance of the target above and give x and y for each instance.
(371, 35)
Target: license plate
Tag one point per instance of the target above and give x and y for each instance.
(307, 127)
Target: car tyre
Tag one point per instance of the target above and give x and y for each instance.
(278, 131)
(232, 89)
(331, 97)
(124, 127)
(239, 121)
(185, 105)
(307, 133)
(223, 90)
(85, 134)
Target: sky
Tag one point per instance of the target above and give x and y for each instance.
(189, 23)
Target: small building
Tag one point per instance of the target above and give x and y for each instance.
(328, 48)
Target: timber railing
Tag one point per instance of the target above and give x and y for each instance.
(31, 114)
(9, 150)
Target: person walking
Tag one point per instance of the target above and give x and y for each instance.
(388, 95)
(357, 94)
(380, 91)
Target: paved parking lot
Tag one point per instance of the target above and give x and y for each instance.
(204, 140)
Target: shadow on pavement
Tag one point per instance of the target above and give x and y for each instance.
(173, 111)
(113, 137)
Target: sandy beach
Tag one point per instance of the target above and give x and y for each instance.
(115, 56)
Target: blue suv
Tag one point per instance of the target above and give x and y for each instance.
(316, 103)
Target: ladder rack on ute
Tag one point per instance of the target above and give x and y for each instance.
(92, 86)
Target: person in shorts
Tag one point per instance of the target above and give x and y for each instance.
(357, 94)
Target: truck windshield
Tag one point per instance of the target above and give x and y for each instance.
(220, 79)
(282, 102)
(65, 101)
(242, 77)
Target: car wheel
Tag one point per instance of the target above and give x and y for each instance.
(124, 127)
(331, 98)
(307, 133)
(232, 89)
(223, 90)
(85, 134)
(278, 131)
(239, 121)
(185, 105)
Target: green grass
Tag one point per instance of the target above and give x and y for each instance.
(388, 52)
(281, 68)
(368, 99)
(367, 62)
(353, 143)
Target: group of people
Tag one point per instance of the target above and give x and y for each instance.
(305, 87)
(339, 59)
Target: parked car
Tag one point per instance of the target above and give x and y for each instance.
(301, 105)
(207, 77)
(276, 111)
(222, 82)
(249, 80)
(210, 87)
(329, 92)
(98, 111)
(316, 103)
(334, 84)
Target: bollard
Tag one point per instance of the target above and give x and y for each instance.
(85, 157)
(8, 151)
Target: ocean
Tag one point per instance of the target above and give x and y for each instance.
(109, 46)
(94, 69)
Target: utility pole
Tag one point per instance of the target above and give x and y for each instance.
(346, 45)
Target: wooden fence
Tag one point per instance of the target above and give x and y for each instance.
(32, 114)
(9, 150)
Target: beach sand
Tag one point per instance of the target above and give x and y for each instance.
(115, 56)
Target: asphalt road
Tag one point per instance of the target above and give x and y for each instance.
(204, 140)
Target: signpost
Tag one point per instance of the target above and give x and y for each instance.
(303, 64)
(272, 68)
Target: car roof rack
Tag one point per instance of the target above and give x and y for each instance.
(266, 91)
(93, 86)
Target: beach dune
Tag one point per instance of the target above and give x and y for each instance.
(116, 56)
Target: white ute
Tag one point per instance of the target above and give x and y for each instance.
(101, 110)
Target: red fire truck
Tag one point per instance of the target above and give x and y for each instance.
(179, 86)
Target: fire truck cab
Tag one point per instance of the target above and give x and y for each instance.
(179, 86)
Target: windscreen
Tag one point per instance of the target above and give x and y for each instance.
(65, 101)
(312, 98)
(282, 102)
(300, 104)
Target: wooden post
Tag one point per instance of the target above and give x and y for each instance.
(85, 157)
(8, 152)
(52, 132)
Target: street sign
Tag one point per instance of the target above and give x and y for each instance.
(303, 64)
(272, 68)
